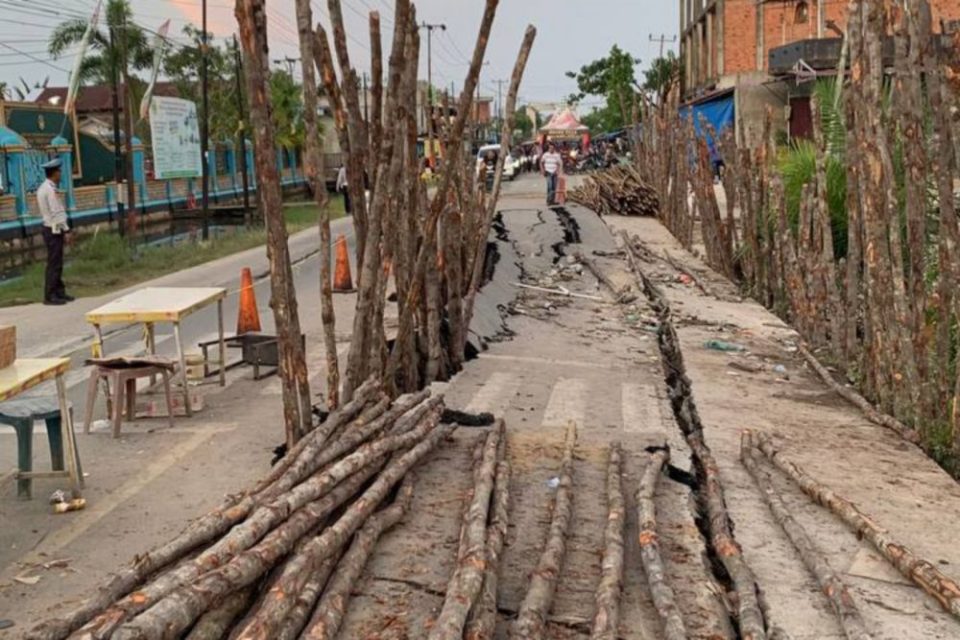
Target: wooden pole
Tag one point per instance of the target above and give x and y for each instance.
(531, 620)
(314, 171)
(252, 19)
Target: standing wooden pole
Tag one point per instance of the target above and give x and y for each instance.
(252, 18)
(314, 171)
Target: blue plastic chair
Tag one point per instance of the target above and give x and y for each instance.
(21, 414)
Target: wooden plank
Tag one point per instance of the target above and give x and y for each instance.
(156, 304)
(27, 373)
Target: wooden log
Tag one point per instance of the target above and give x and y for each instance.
(621, 294)
(296, 526)
(332, 607)
(606, 619)
(854, 398)
(216, 623)
(314, 173)
(467, 579)
(532, 618)
(170, 617)
(306, 600)
(263, 520)
(660, 589)
(830, 582)
(921, 572)
(297, 410)
(308, 447)
(482, 623)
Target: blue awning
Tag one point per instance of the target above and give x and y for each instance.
(719, 113)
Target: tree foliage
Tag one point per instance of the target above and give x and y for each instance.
(614, 78)
(524, 124)
(183, 67)
(102, 58)
(662, 75)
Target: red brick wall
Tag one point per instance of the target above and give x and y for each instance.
(780, 27)
(740, 37)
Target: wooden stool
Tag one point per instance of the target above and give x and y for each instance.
(21, 414)
(124, 380)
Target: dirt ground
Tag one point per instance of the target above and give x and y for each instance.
(595, 362)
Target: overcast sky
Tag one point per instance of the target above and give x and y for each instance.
(570, 33)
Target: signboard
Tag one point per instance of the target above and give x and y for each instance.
(175, 134)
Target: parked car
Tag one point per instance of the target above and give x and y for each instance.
(489, 154)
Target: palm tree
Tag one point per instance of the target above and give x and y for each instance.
(99, 62)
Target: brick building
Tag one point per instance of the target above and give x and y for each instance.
(726, 46)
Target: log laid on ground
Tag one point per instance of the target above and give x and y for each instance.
(176, 612)
(747, 593)
(621, 294)
(851, 396)
(483, 618)
(617, 191)
(830, 583)
(531, 620)
(216, 623)
(306, 602)
(333, 604)
(923, 573)
(467, 579)
(606, 619)
(262, 521)
(660, 589)
(202, 531)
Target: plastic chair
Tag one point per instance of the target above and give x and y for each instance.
(21, 414)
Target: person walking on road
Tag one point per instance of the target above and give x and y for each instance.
(343, 190)
(551, 166)
(54, 230)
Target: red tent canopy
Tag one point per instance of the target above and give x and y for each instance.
(564, 122)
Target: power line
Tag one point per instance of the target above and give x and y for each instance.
(32, 57)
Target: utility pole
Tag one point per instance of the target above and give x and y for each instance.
(500, 102)
(204, 127)
(117, 153)
(128, 136)
(662, 39)
(430, 27)
(243, 138)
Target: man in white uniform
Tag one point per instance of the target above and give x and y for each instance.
(54, 231)
(551, 166)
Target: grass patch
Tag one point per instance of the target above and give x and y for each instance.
(105, 262)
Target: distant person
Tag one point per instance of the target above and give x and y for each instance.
(54, 230)
(342, 189)
(551, 166)
(716, 160)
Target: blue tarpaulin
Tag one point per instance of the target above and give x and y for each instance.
(719, 113)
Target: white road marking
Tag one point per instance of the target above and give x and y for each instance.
(640, 408)
(606, 366)
(568, 402)
(494, 394)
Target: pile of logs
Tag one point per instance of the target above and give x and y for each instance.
(279, 560)
(620, 190)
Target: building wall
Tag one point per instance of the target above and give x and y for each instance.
(727, 37)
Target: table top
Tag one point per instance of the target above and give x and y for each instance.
(26, 373)
(156, 304)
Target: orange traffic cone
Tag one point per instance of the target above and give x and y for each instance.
(248, 317)
(342, 281)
